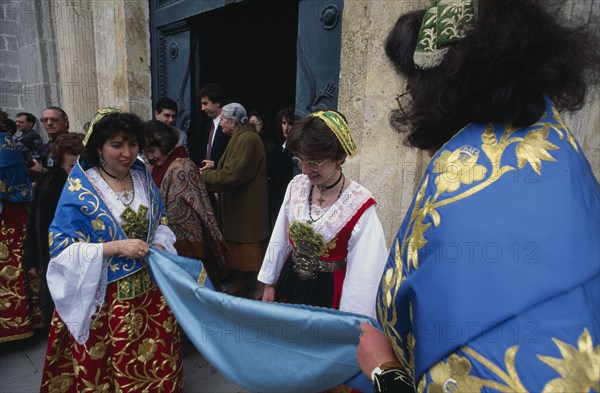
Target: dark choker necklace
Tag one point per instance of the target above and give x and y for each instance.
(324, 188)
(114, 177)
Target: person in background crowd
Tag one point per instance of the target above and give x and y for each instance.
(505, 173)
(55, 122)
(281, 168)
(256, 118)
(26, 135)
(15, 194)
(112, 328)
(66, 148)
(188, 207)
(212, 99)
(327, 248)
(165, 110)
(241, 181)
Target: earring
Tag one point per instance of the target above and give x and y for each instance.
(338, 167)
(101, 160)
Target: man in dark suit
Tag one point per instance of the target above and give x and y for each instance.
(214, 142)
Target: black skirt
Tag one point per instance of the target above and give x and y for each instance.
(291, 289)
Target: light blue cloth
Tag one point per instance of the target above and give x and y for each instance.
(263, 347)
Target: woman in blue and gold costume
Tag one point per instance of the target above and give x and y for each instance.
(112, 329)
(15, 195)
(492, 283)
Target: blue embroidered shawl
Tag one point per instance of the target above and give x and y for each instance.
(493, 278)
(82, 216)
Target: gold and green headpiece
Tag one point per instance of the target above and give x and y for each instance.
(99, 115)
(445, 22)
(339, 127)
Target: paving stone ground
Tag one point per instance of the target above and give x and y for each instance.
(22, 363)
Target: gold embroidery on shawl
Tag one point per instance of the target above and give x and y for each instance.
(579, 370)
(453, 170)
(579, 367)
(98, 225)
(202, 277)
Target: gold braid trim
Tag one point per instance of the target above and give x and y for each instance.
(99, 115)
(339, 127)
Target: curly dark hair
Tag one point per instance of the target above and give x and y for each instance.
(161, 135)
(69, 143)
(500, 72)
(110, 125)
(311, 138)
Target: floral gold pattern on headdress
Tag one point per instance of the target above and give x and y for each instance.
(445, 22)
(340, 128)
(99, 116)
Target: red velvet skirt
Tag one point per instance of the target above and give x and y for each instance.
(15, 318)
(134, 346)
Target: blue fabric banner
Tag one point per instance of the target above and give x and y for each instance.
(263, 347)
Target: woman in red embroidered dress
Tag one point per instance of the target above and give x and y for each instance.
(327, 248)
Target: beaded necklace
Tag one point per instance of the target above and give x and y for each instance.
(311, 219)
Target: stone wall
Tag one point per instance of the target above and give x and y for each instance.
(76, 54)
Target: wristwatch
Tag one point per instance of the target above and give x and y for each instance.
(383, 367)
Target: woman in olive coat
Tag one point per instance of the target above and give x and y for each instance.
(241, 181)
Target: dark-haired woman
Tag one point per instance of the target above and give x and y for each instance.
(112, 329)
(185, 197)
(493, 281)
(65, 150)
(327, 248)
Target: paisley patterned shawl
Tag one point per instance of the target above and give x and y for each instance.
(497, 260)
(15, 185)
(82, 216)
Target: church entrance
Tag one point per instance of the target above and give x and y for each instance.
(267, 55)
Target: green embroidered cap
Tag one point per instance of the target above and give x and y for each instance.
(340, 128)
(445, 22)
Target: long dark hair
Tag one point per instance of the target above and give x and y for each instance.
(500, 72)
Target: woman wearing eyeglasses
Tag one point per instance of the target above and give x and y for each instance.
(327, 248)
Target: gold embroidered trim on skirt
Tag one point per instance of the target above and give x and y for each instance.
(135, 284)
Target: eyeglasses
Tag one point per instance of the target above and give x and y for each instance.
(312, 165)
(257, 123)
(49, 119)
(405, 99)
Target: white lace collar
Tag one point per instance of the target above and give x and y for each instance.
(111, 198)
(336, 216)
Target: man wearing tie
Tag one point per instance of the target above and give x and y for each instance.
(214, 141)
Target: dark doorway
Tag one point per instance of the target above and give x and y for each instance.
(249, 48)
